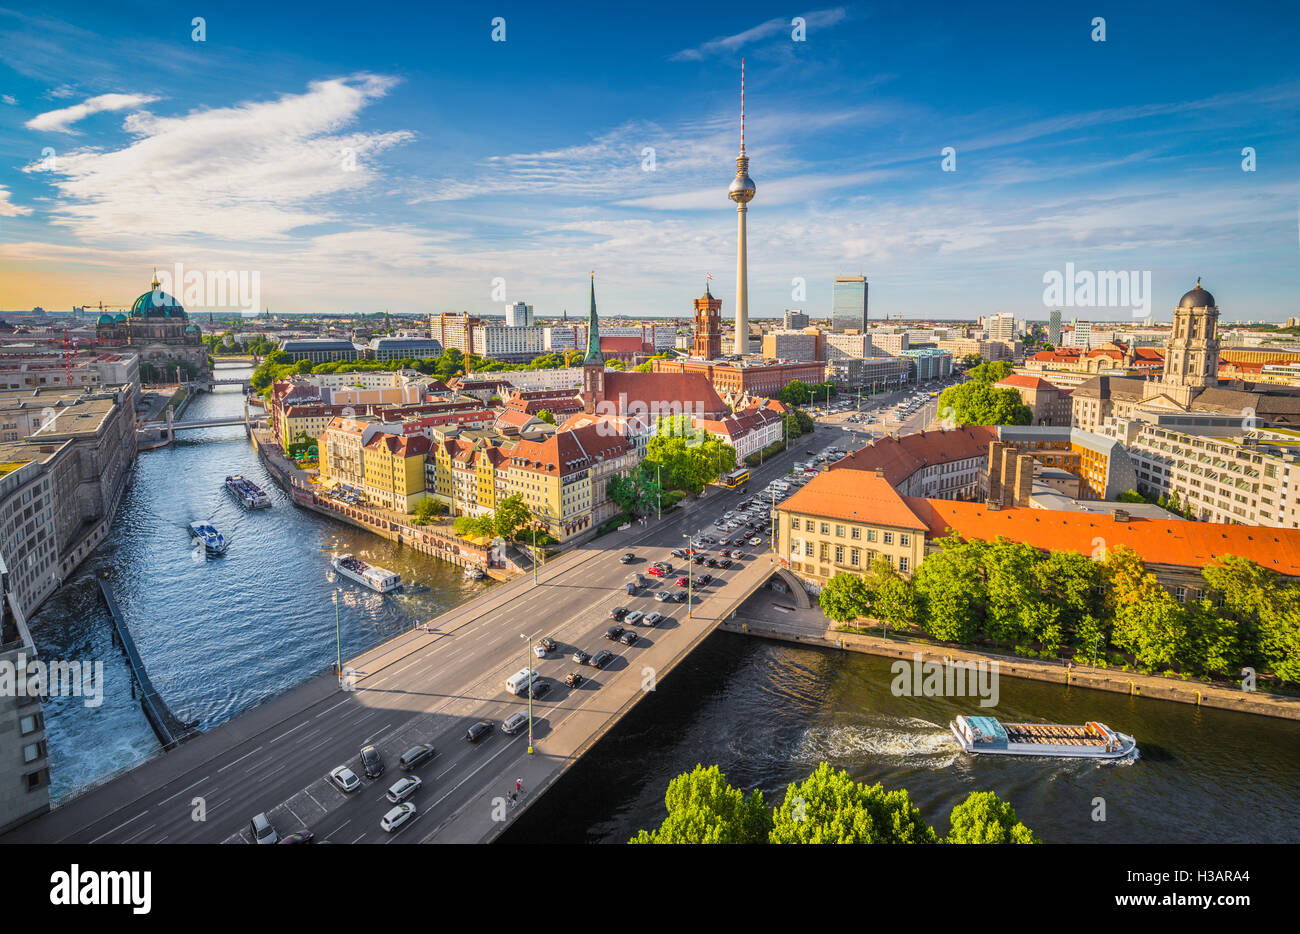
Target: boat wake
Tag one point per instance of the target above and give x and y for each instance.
(897, 738)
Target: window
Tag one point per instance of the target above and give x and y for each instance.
(825, 552)
(902, 564)
(28, 725)
(904, 539)
(826, 528)
(889, 538)
(871, 535)
(839, 531)
(839, 554)
(855, 557)
(808, 549)
(857, 533)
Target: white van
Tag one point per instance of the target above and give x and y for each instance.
(518, 682)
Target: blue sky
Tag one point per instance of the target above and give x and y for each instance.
(523, 160)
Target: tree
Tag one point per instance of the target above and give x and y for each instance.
(704, 808)
(992, 372)
(951, 586)
(890, 596)
(978, 403)
(845, 598)
(1131, 496)
(636, 493)
(546, 416)
(616, 364)
(1149, 623)
(984, 818)
(426, 509)
(511, 515)
(794, 392)
(480, 527)
(829, 807)
(687, 458)
(643, 367)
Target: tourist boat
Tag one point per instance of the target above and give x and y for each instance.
(1092, 740)
(368, 575)
(248, 493)
(214, 543)
(474, 573)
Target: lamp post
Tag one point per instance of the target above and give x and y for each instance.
(338, 640)
(690, 573)
(534, 554)
(528, 667)
(659, 495)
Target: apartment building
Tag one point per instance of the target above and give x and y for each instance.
(393, 470)
(942, 464)
(24, 757)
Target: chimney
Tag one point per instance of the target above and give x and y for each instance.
(993, 505)
(1121, 515)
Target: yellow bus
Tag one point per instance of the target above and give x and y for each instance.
(735, 478)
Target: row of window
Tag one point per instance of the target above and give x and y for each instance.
(854, 532)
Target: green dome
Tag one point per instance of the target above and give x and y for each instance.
(105, 319)
(157, 304)
(119, 318)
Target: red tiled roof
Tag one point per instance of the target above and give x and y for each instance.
(854, 496)
(667, 393)
(1021, 381)
(901, 457)
(1158, 541)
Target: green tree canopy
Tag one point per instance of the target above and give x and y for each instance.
(981, 403)
(984, 818)
(830, 807)
(845, 598)
(704, 808)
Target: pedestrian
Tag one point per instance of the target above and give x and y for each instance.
(519, 784)
(511, 798)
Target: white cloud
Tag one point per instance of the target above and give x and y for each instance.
(8, 209)
(249, 172)
(59, 121)
(813, 20)
(9, 99)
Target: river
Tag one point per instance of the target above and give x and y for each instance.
(223, 634)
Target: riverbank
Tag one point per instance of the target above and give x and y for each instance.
(809, 627)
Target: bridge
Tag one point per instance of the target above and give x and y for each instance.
(208, 385)
(428, 686)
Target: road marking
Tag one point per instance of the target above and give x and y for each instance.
(237, 761)
(287, 732)
(119, 826)
(182, 791)
(328, 709)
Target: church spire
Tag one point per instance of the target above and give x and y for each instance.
(593, 330)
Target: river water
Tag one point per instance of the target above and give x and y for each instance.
(224, 634)
(218, 635)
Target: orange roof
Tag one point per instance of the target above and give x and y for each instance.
(854, 496)
(1021, 381)
(901, 457)
(1158, 541)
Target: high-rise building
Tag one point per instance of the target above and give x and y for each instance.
(1001, 326)
(1054, 328)
(849, 304)
(741, 192)
(519, 315)
(795, 320)
(708, 327)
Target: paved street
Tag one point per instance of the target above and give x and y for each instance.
(429, 687)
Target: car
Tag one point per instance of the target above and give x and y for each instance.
(683, 581)
(478, 731)
(663, 596)
(415, 756)
(739, 540)
(705, 579)
(298, 836)
(397, 817)
(665, 566)
(345, 779)
(573, 679)
(403, 788)
(725, 563)
(656, 571)
(724, 553)
(756, 541)
(618, 613)
(613, 632)
(263, 830)
(653, 619)
(539, 688)
(371, 762)
(544, 647)
(679, 597)
(514, 723)
(627, 558)
(701, 559)
(634, 617)
(713, 562)
(580, 657)
(678, 552)
(628, 637)
(600, 659)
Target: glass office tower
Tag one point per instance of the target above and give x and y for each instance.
(849, 303)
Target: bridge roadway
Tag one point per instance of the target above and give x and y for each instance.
(429, 687)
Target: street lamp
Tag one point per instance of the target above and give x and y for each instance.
(690, 572)
(528, 667)
(659, 495)
(338, 639)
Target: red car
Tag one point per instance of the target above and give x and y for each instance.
(656, 572)
(682, 581)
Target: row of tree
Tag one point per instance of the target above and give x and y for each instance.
(511, 518)
(1063, 603)
(797, 392)
(827, 807)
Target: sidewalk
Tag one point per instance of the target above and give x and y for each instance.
(810, 627)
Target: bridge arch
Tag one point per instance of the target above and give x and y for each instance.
(785, 579)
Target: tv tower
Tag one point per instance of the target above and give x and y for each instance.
(741, 192)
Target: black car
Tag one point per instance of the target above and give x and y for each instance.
(478, 731)
(581, 657)
(627, 558)
(573, 679)
(371, 762)
(628, 637)
(704, 579)
(539, 689)
(724, 563)
(713, 563)
(618, 613)
(701, 559)
(600, 659)
(678, 552)
(613, 632)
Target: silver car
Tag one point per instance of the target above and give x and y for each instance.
(345, 779)
(514, 723)
(403, 789)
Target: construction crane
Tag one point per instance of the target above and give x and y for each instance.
(69, 348)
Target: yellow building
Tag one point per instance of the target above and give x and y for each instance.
(393, 470)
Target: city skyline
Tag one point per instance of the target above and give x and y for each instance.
(533, 168)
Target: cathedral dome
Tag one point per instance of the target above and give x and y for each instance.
(105, 319)
(1197, 298)
(157, 304)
